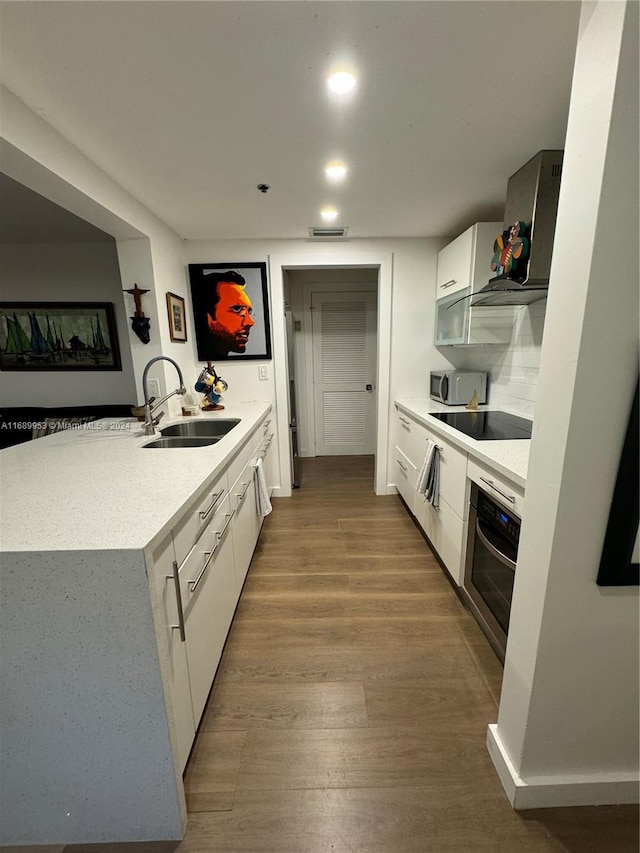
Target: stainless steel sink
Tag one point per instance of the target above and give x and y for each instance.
(197, 428)
(183, 441)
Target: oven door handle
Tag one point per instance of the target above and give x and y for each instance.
(493, 550)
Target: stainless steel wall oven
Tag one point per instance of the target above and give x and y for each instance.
(492, 550)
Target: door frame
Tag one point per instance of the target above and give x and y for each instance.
(321, 259)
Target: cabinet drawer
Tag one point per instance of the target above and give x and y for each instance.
(411, 438)
(246, 523)
(447, 533)
(209, 599)
(196, 565)
(498, 487)
(405, 478)
(249, 450)
(187, 531)
(453, 475)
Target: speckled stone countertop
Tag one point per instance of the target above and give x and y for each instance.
(96, 489)
(508, 458)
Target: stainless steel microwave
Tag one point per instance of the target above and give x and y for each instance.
(456, 387)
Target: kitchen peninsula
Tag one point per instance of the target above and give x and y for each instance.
(110, 551)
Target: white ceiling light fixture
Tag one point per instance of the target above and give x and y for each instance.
(342, 82)
(335, 171)
(329, 214)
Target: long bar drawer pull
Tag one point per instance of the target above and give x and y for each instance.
(175, 577)
(242, 494)
(493, 486)
(221, 533)
(216, 499)
(404, 467)
(194, 584)
(450, 282)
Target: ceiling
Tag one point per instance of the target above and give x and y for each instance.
(190, 105)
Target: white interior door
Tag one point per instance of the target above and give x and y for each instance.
(344, 371)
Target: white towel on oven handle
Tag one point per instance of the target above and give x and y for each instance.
(263, 501)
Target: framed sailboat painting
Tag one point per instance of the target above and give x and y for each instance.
(58, 336)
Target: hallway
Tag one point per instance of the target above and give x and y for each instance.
(350, 707)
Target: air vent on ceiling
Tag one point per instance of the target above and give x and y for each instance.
(328, 233)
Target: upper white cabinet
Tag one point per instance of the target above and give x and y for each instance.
(466, 261)
(464, 267)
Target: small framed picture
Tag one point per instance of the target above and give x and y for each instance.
(231, 311)
(177, 318)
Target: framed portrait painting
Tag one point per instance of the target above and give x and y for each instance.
(231, 311)
(58, 336)
(177, 318)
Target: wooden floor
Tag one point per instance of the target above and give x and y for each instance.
(350, 708)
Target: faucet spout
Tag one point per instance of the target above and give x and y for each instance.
(149, 421)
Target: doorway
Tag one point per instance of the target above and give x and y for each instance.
(361, 271)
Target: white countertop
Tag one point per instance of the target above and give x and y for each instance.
(508, 458)
(95, 488)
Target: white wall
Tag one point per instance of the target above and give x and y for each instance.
(412, 285)
(567, 729)
(67, 272)
(149, 253)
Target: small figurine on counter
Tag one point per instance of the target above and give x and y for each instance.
(212, 386)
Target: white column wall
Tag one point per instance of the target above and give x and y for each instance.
(567, 729)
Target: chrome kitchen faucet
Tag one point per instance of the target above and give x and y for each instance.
(150, 422)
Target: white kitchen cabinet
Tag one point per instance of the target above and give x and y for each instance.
(464, 267)
(267, 456)
(445, 526)
(209, 599)
(170, 626)
(405, 478)
(446, 532)
(466, 261)
(247, 522)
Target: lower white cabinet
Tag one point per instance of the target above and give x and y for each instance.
(446, 525)
(171, 627)
(246, 526)
(209, 600)
(447, 533)
(199, 571)
(406, 474)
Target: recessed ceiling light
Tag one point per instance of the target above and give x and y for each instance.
(335, 171)
(341, 82)
(329, 214)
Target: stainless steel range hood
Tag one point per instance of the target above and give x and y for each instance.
(532, 198)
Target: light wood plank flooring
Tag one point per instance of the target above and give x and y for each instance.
(350, 708)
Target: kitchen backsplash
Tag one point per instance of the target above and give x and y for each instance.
(513, 369)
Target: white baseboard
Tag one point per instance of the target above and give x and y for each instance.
(593, 789)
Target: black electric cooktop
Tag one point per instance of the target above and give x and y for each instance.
(488, 425)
